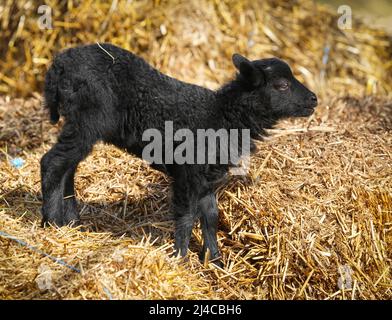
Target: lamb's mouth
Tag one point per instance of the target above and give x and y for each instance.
(307, 111)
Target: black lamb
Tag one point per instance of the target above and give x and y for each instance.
(108, 94)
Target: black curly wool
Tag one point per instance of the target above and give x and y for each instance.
(108, 94)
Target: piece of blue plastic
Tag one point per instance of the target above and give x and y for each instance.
(17, 162)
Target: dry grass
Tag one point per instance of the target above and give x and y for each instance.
(316, 202)
(194, 40)
(313, 213)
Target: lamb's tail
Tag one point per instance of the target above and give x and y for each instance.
(51, 93)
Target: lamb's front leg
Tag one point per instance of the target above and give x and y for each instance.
(185, 212)
(208, 211)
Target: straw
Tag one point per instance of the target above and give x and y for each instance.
(317, 199)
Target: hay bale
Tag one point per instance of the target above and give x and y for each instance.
(194, 40)
(312, 220)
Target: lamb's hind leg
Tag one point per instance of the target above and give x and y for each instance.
(70, 208)
(57, 170)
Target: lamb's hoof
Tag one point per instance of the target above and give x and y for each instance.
(54, 222)
(67, 221)
(71, 218)
(180, 255)
(218, 262)
(73, 223)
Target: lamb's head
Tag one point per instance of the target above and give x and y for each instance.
(273, 81)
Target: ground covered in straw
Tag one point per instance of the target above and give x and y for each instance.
(311, 220)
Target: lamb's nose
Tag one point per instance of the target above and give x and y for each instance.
(313, 99)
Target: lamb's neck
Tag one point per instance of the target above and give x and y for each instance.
(239, 109)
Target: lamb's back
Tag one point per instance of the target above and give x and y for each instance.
(117, 77)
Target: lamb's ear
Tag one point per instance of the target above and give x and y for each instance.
(247, 70)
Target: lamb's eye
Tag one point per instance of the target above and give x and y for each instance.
(282, 85)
